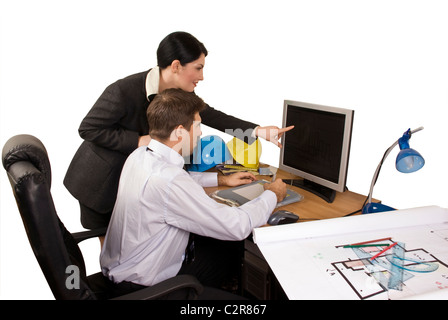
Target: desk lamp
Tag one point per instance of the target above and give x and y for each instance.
(408, 160)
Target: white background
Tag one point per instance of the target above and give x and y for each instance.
(387, 60)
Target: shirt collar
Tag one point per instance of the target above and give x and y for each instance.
(168, 154)
(152, 81)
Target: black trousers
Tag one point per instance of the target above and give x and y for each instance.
(208, 293)
(215, 261)
(91, 219)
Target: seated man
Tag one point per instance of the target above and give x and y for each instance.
(159, 204)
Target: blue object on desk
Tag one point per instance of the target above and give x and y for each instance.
(373, 207)
(210, 151)
(408, 160)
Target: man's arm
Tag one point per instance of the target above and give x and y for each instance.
(240, 178)
(213, 179)
(188, 207)
(236, 179)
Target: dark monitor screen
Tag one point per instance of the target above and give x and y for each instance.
(318, 147)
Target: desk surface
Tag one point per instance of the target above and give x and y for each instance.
(313, 207)
(263, 285)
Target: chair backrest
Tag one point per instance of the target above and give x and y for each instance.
(28, 167)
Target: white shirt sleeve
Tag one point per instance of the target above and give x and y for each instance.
(188, 207)
(205, 179)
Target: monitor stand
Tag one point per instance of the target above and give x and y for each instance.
(325, 193)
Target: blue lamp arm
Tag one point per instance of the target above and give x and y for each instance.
(404, 140)
(377, 171)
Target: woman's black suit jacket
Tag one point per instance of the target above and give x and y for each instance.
(110, 131)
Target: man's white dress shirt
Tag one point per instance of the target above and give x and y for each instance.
(157, 206)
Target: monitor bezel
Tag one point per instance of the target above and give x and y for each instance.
(340, 186)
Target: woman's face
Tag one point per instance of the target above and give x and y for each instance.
(190, 74)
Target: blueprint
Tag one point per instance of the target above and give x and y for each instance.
(399, 273)
(315, 260)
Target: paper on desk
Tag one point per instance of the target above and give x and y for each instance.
(251, 192)
(360, 223)
(309, 262)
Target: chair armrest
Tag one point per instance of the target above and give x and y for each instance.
(84, 235)
(164, 288)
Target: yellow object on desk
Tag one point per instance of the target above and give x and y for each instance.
(245, 154)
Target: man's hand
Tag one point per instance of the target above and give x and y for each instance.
(278, 187)
(236, 179)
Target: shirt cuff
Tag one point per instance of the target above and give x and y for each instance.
(271, 198)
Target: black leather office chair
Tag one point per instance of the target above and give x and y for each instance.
(26, 161)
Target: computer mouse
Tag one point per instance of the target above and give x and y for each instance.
(282, 217)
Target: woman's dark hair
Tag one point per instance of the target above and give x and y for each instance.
(180, 46)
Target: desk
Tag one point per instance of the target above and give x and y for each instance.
(257, 278)
(314, 207)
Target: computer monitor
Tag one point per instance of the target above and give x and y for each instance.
(318, 148)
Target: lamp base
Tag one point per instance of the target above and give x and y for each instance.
(376, 207)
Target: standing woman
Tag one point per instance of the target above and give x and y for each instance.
(116, 125)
